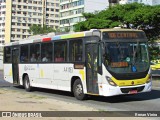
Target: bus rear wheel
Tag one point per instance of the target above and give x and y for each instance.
(27, 85)
(78, 90)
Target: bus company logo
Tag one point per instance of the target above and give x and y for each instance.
(132, 82)
(28, 68)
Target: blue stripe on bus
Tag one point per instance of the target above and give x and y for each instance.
(56, 37)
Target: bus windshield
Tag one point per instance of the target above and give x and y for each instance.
(126, 57)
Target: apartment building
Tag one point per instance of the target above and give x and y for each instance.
(2, 21)
(71, 11)
(16, 16)
(147, 2)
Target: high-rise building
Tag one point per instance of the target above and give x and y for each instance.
(71, 11)
(2, 21)
(16, 16)
(147, 2)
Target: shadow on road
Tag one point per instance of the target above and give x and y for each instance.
(49, 92)
(154, 94)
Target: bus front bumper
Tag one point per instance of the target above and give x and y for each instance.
(108, 90)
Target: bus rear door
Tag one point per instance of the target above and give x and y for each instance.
(15, 69)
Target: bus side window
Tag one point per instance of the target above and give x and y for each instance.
(46, 52)
(7, 54)
(60, 51)
(75, 50)
(34, 52)
(24, 53)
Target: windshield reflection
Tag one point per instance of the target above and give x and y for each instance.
(126, 57)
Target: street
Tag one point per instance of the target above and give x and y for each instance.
(140, 102)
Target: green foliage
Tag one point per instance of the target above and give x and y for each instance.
(37, 29)
(140, 16)
(154, 52)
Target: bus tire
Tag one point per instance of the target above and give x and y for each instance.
(78, 90)
(27, 85)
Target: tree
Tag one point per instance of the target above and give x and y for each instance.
(37, 29)
(135, 15)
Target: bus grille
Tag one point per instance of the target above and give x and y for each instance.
(126, 90)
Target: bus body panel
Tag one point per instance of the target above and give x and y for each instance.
(52, 76)
(8, 73)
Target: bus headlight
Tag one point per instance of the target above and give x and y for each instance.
(110, 81)
(149, 79)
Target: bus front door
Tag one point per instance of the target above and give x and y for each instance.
(91, 68)
(15, 70)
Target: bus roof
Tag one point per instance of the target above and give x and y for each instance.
(54, 36)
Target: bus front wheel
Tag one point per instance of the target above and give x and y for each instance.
(78, 90)
(27, 85)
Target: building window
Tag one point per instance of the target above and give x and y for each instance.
(18, 24)
(13, 23)
(19, 6)
(52, 4)
(18, 30)
(18, 36)
(18, 12)
(29, 7)
(25, 7)
(24, 24)
(13, 29)
(34, 13)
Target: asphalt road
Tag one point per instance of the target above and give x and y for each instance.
(140, 102)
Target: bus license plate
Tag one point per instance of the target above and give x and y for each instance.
(133, 91)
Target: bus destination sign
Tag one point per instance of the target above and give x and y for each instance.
(123, 35)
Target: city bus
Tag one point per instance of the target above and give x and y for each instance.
(101, 62)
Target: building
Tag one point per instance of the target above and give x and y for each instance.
(16, 16)
(147, 2)
(71, 11)
(2, 21)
